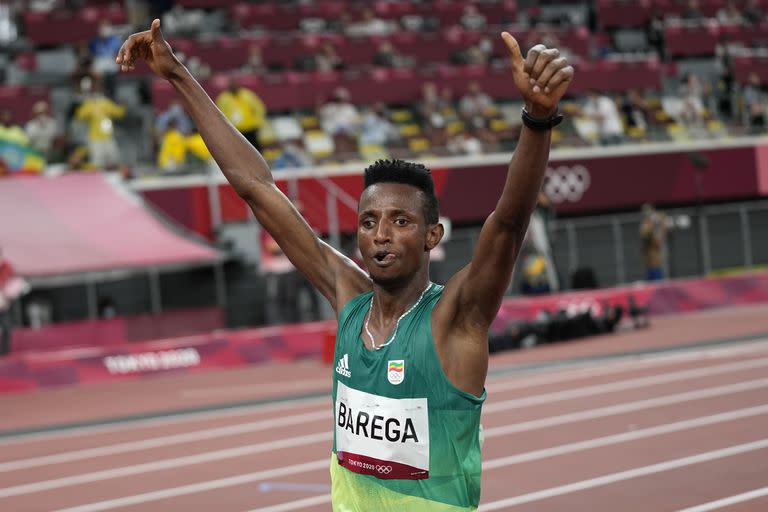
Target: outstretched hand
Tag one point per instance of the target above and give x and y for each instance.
(542, 76)
(151, 46)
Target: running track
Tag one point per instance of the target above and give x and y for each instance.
(681, 429)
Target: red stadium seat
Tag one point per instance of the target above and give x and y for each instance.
(745, 65)
(293, 90)
(19, 99)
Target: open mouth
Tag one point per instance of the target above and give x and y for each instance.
(384, 258)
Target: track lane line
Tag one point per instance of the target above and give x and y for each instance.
(567, 448)
(515, 403)
(489, 465)
(294, 442)
(162, 464)
(296, 505)
(591, 368)
(163, 441)
(613, 410)
(200, 487)
(624, 385)
(730, 500)
(611, 478)
(517, 381)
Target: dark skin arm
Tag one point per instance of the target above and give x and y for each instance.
(334, 275)
(472, 298)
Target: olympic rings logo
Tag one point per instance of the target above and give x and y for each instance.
(566, 183)
(384, 470)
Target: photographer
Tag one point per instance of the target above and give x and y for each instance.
(653, 234)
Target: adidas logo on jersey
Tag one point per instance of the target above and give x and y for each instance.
(343, 367)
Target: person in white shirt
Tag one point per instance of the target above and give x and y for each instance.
(42, 128)
(602, 109)
(340, 119)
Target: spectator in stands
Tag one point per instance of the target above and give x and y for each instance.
(602, 110)
(174, 114)
(180, 21)
(370, 25)
(692, 11)
(693, 90)
(753, 12)
(81, 78)
(9, 31)
(472, 18)
(654, 227)
(387, 56)
(477, 109)
(418, 23)
(327, 59)
(197, 149)
(172, 155)
(292, 155)
(634, 108)
(340, 119)
(654, 31)
(103, 48)
(726, 50)
(244, 109)
(730, 14)
(464, 143)
(755, 101)
(254, 64)
(472, 56)
(98, 112)
(196, 67)
(376, 128)
(42, 129)
(432, 118)
(447, 106)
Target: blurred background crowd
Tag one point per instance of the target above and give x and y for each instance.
(328, 81)
(333, 84)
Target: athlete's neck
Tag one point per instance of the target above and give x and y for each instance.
(389, 302)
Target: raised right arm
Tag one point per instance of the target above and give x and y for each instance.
(333, 274)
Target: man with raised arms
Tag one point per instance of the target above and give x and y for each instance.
(411, 356)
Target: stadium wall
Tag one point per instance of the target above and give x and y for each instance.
(579, 181)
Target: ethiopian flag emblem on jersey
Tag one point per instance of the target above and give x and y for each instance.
(396, 371)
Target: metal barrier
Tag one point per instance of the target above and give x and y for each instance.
(706, 239)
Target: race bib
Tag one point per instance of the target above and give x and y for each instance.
(383, 437)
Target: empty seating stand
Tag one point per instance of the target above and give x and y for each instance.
(61, 26)
(19, 99)
(700, 40)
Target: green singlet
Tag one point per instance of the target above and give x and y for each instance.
(405, 438)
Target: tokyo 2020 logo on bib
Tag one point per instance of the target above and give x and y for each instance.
(396, 371)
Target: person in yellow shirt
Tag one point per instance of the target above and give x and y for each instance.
(173, 149)
(98, 111)
(244, 109)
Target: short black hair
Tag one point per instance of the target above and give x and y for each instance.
(409, 173)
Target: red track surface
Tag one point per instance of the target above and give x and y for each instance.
(659, 432)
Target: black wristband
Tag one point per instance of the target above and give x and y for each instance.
(541, 124)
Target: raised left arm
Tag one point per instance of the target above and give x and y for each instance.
(542, 78)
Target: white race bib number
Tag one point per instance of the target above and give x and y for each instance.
(383, 437)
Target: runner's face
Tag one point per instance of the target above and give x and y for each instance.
(392, 231)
